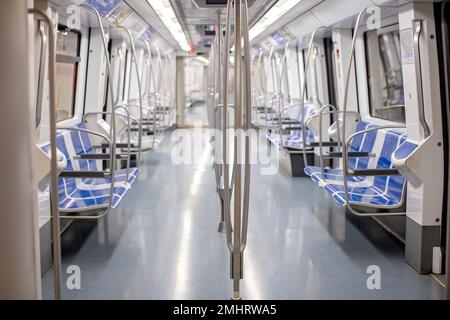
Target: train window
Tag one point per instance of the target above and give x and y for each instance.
(384, 72)
(67, 60)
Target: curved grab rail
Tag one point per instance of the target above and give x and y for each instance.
(41, 74)
(161, 87)
(345, 101)
(303, 90)
(280, 85)
(333, 109)
(345, 98)
(129, 120)
(150, 76)
(417, 24)
(119, 84)
(112, 132)
(133, 52)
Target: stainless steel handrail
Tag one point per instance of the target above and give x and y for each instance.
(257, 72)
(345, 98)
(417, 24)
(119, 84)
(346, 145)
(216, 95)
(152, 78)
(237, 222)
(333, 109)
(226, 168)
(41, 77)
(162, 86)
(237, 238)
(148, 85)
(303, 91)
(129, 119)
(112, 132)
(133, 52)
(55, 226)
(280, 89)
(247, 126)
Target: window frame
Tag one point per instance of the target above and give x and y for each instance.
(387, 28)
(76, 62)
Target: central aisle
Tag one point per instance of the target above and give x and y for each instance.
(162, 243)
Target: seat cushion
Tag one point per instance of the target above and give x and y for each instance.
(367, 195)
(336, 175)
(293, 140)
(88, 193)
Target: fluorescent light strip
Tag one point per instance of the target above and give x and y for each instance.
(202, 60)
(276, 12)
(165, 12)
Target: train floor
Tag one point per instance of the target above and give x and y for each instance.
(162, 243)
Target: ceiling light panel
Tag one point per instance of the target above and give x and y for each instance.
(165, 12)
(275, 13)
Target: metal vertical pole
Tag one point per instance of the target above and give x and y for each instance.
(226, 167)
(247, 126)
(222, 224)
(236, 258)
(180, 96)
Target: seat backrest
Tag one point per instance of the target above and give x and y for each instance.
(298, 135)
(309, 111)
(61, 146)
(81, 144)
(71, 143)
(362, 143)
(392, 185)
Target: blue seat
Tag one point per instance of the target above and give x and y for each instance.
(371, 191)
(81, 194)
(361, 143)
(293, 140)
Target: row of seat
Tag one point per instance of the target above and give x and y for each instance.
(385, 188)
(82, 184)
(291, 123)
(379, 185)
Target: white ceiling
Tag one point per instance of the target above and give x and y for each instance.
(195, 15)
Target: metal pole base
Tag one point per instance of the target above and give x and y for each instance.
(222, 227)
(236, 295)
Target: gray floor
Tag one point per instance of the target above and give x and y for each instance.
(196, 115)
(162, 243)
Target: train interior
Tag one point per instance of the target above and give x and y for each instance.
(208, 149)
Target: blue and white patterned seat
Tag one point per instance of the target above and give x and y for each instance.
(373, 191)
(293, 140)
(361, 143)
(81, 194)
